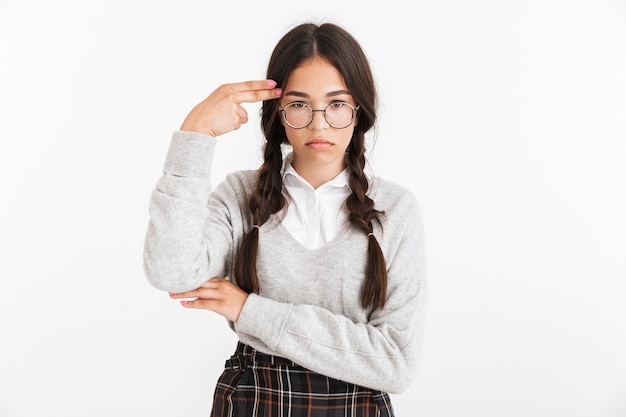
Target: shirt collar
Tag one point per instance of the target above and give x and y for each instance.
(287, 170)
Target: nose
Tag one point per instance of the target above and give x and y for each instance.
(319, 122)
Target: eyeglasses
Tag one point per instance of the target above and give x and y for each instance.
(338, 114)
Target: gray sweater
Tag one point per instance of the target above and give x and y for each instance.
(308, 307)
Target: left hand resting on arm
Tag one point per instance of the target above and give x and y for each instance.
(218, 295)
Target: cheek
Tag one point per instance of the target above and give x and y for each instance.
(291, 134)
(348, 137)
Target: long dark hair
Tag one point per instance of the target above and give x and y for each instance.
(341, 49)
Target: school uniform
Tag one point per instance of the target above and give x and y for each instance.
(306, 346)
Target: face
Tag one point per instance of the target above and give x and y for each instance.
(319, 149)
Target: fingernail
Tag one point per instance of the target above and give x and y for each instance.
(271, 83)
(184, 302)
(279, 91)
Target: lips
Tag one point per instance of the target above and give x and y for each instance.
(319, 142)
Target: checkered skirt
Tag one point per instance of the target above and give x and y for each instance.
(254, 384)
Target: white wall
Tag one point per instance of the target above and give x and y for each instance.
(507, 119)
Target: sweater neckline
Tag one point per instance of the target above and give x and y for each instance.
(344, 231)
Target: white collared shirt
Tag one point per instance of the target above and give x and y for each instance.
(314, 216)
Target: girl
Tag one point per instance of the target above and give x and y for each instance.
(317, 266)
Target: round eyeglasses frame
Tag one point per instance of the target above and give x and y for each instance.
(354, 110)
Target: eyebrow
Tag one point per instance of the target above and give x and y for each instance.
(330, 94)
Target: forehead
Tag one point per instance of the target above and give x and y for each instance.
(316, 75)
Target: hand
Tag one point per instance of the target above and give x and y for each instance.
(221, 112)
(218, 295)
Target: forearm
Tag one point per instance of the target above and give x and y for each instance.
(175, 251)
(381, 357)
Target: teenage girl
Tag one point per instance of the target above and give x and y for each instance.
(317, 265)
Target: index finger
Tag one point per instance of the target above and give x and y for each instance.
(258, 90)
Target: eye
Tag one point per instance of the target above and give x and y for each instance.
(298, 105)
(337, 104)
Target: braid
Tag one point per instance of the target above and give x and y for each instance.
(264, 201)
(362, 215)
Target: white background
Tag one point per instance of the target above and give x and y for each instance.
(506, 118)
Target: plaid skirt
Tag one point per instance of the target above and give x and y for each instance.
(254, 384)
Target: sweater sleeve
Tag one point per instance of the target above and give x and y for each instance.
(383, 352)
(188, 240)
